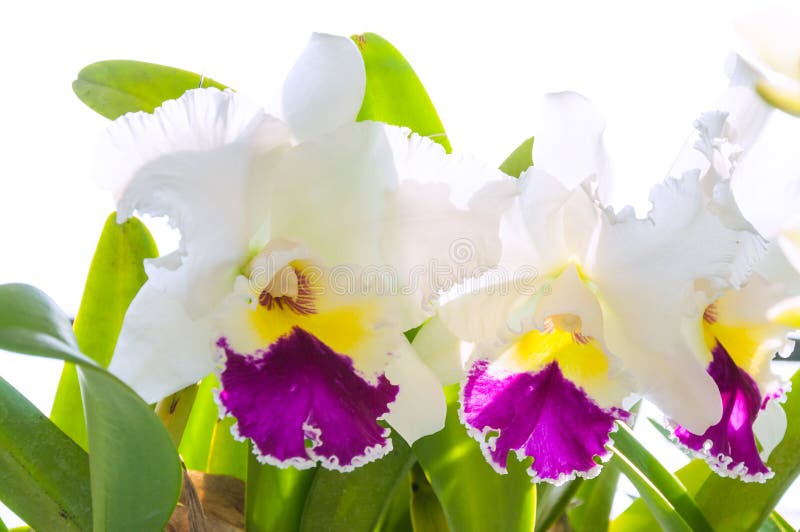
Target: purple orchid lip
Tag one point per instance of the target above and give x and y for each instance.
(301, 403)
(730, 447)
(542, 415)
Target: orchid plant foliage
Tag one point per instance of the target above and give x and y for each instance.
(362, 330)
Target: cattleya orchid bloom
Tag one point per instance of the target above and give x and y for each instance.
(285, 226)
(742, 331)
(557, 348)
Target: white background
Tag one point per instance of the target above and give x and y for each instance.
(650, 67)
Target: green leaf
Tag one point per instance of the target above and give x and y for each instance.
(135, 471)
(207, 444)
(226, 455)
(637, 517)
(594, 499)
(520, 159)
(356, 501)
(115, 276)
(734, 505)
(666, 516)
(174, 411)
(3, 527)
(394, 93)
(426, 511)
(776, 523)
(113, 88)
(473, 496)
(44, 476)
(196, 442)
(552, 502)
(275, 497)
(667, 484)
(397, 517)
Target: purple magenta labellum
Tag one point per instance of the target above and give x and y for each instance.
(541, 415)
(730, 445)
(300, 402)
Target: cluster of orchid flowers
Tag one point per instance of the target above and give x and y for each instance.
(685, 307)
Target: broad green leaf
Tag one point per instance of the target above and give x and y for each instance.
(207, 444)
(135, 471)
(520, 159)
(174, 411)
(426, 511)
(226, 455)
(115, 276)
(397, 517)
(637, 517)
(44, 476)
(3, 527)
(196, 441)
(275, 498)
(665, 515)
(552, 502)
(473, 496)
(664, 482)
(594, 500)
(776, 523)
(113, 88)
(733, 505)
(356, 501)
(394, 93)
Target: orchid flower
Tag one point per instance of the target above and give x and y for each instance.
(590, 306)
(742, 331)
(304, 253)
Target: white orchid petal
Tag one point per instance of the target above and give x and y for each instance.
(568, 294)
(420, 407)
(200, 120)
(325, 88)
(160, 348)
(770, 427)
(371, 196)
(647, 272)
(443, 218)
(440, 350)
(487, 313)
(771, 33)
(569, 140)
(194, 167)
(766, 183)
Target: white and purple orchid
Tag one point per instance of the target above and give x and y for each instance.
(744, 328)
(615, 295)
(284, 224)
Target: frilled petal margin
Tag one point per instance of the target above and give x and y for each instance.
(300, 402)
(540, 415)
(730, 446)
